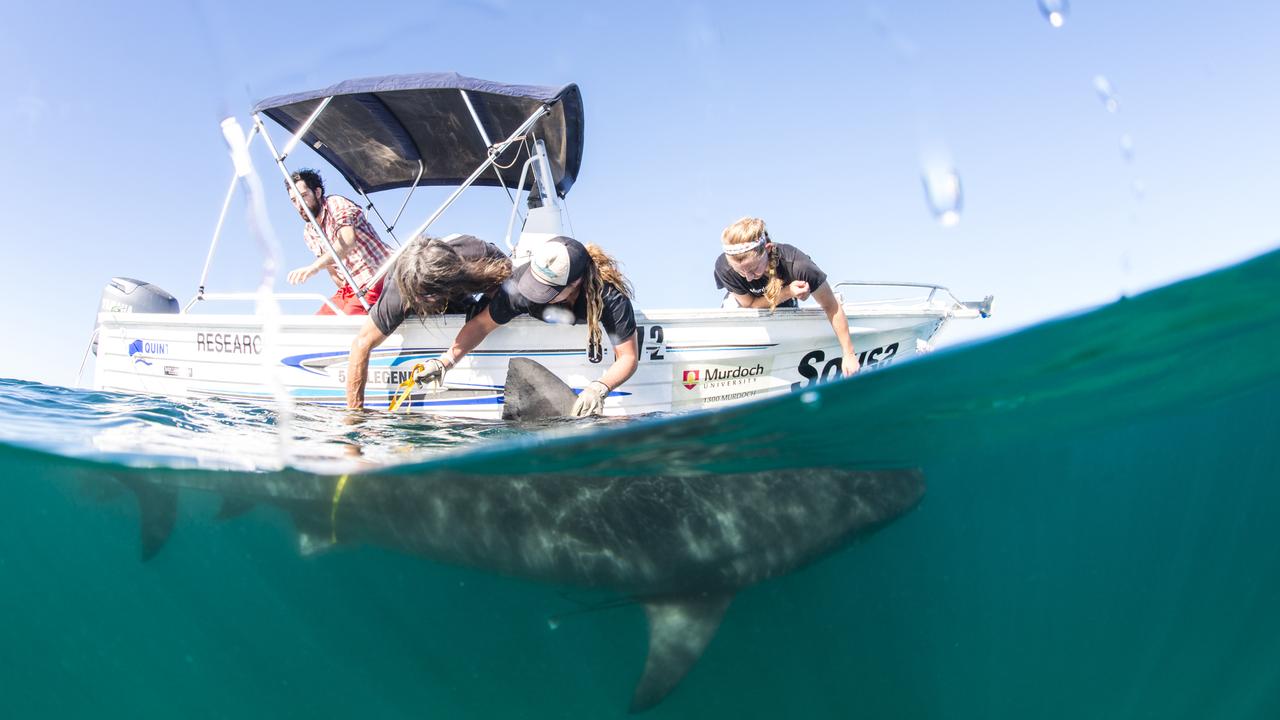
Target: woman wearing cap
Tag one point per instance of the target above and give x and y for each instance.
(431, 277)
(760, 273)
(563, 276)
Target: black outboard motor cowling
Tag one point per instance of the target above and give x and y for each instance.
(135, 296)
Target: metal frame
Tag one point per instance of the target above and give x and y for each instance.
(390, 228)
(279, 157)
(293, 192)
(494, 152)
(977, 307)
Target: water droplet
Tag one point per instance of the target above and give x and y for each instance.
(943, 194)
(553, 623)
(1055, 11)
(1106, 93)
(1139, 189)
(1126, 147)
(811, 397)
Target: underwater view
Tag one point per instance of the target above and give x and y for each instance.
(1096, 538)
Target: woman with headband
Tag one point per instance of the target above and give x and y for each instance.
(760, 273)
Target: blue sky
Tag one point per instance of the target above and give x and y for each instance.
(815, 116)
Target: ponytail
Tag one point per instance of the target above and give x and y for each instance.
(601, 271)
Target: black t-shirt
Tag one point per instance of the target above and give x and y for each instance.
(389, 312)
(617, 316)
(792, 265)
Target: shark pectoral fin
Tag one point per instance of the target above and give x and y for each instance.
(158, 508)
(313, 544)
(234, 507)
(679, 630)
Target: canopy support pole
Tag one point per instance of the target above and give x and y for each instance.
(315, 115)
(293, 193)
(487, 142)
(493, 156)
(392, 226)
(217, 230)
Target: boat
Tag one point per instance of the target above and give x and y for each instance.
(398, 133)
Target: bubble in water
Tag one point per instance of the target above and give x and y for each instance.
(553, 623)
(1139, 189)
(1106, 93)
(557, 315)
(1055, 11)
(811, 397)
(943, 194)
(1126, 147)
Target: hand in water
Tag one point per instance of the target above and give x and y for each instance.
(591, 400)
(849, 365)
(799, 290)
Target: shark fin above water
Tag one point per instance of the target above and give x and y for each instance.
(679, 630)
(535, 393)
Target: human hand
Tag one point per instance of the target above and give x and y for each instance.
(799, 290)
(591, 400)
(849, 365)
(301, 275)
(434, 372)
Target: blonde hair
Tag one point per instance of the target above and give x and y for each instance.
(601, 271)
(748, 230)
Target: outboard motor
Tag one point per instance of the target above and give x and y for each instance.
(134, 296)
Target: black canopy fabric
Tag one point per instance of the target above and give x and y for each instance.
(375, 130)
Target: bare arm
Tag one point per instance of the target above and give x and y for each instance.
(369, 338)
(626, 358)
(344, 240)
(471, 335)
(840, 324)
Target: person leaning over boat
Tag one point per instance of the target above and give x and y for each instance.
(353, 238)
(431, 277)
(563, 279)
(759, 273)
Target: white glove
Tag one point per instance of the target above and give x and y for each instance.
(434, 374)
(591, 400)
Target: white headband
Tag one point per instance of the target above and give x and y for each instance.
(740, 248)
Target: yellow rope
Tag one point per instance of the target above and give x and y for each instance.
(333, 514)
(407, 386)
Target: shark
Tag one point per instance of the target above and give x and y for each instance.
(681, 545)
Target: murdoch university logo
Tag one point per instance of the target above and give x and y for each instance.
(690, 379)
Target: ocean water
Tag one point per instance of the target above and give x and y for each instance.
(1100, 538)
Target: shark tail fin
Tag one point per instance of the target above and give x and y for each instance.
(679, 630)
(158, 509)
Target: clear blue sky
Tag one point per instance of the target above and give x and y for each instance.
(814, 116)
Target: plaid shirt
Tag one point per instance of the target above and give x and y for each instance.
(365, 256)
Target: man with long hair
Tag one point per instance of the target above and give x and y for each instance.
(431, 277)
(567, 279)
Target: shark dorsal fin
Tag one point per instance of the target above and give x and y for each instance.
(534, 392)
(679, 630)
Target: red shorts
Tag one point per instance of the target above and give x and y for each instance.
(347, 302)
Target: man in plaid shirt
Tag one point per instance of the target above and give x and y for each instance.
(352, 237)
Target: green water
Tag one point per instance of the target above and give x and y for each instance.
(1100, 538)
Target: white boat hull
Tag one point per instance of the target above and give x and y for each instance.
(689, 359)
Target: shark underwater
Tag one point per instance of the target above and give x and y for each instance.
(680, 545)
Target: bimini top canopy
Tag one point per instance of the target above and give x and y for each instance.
(375, 130)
